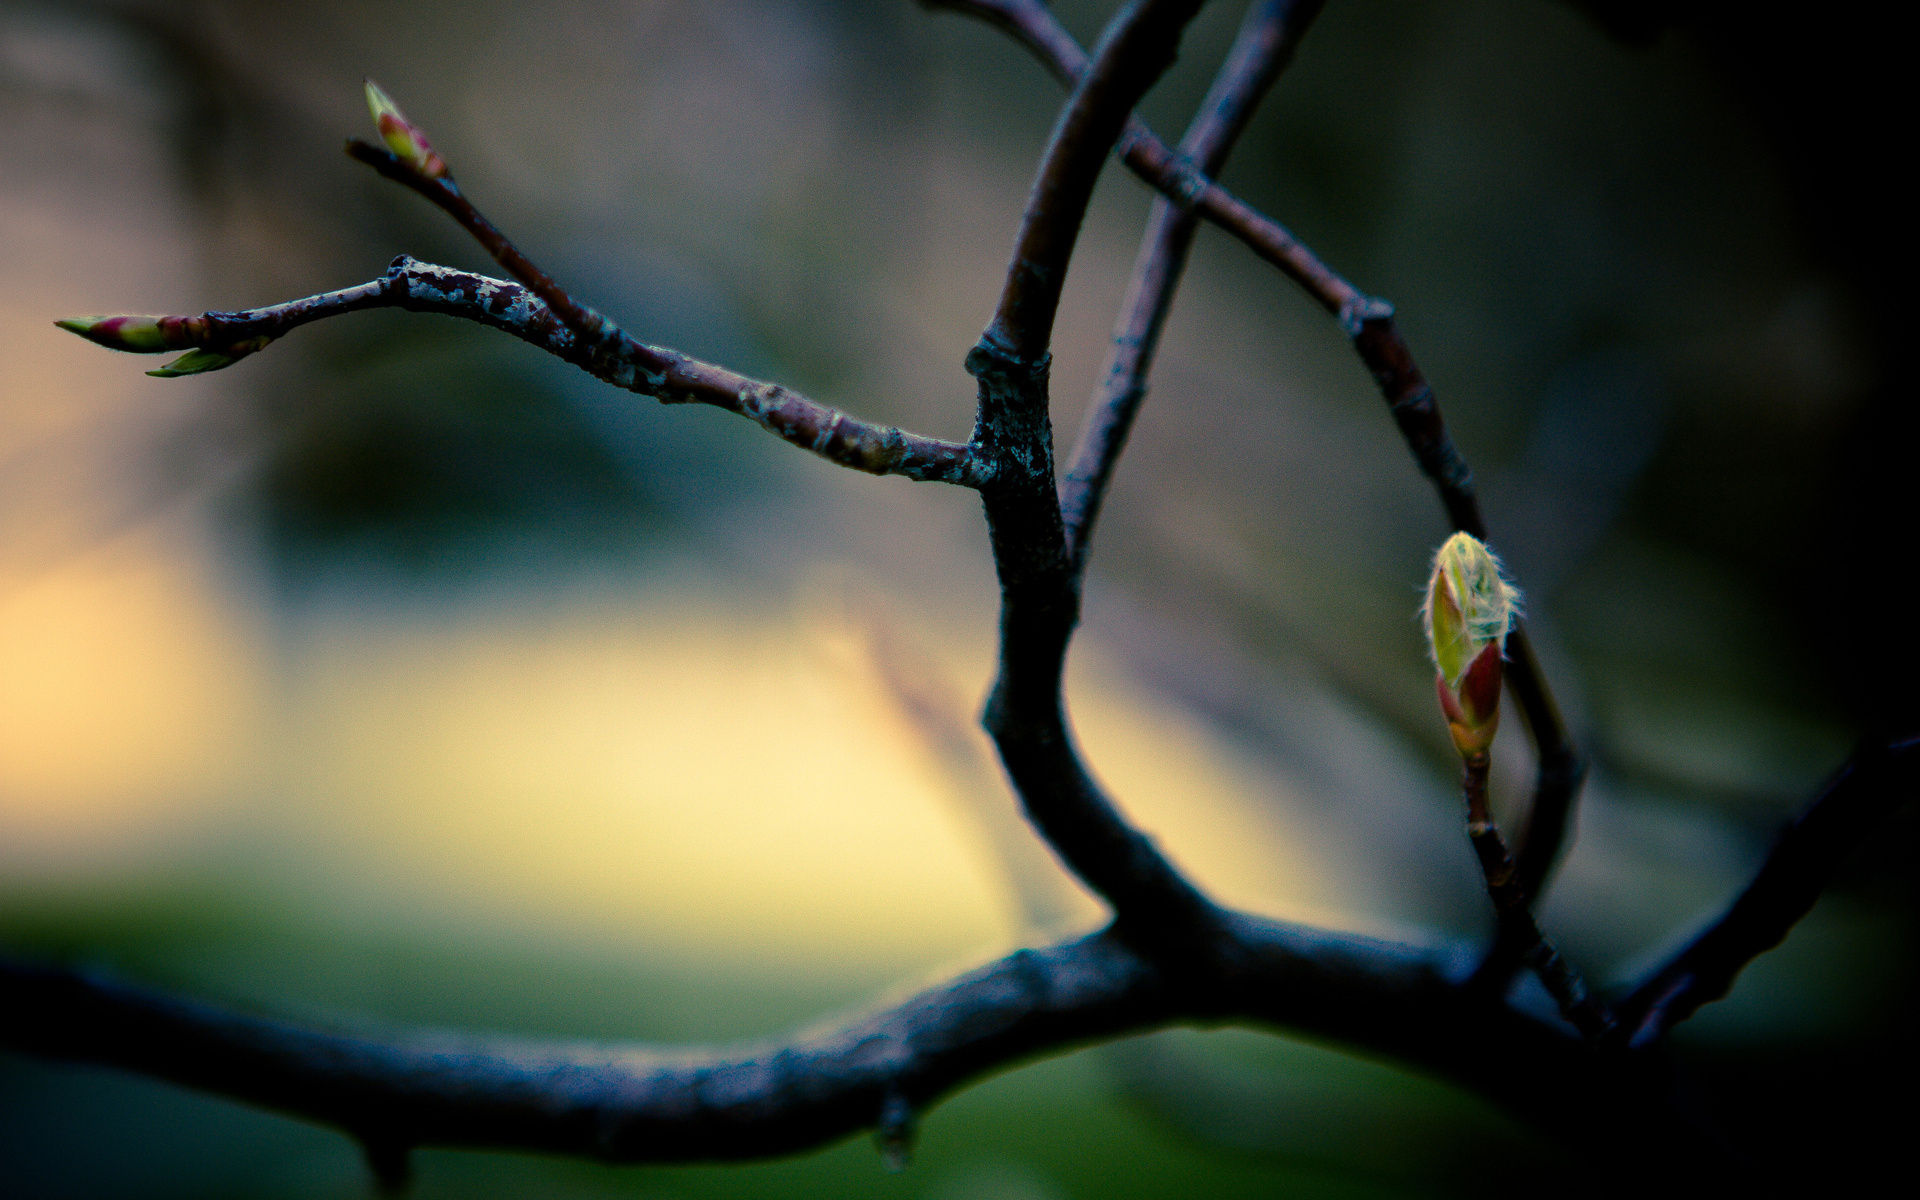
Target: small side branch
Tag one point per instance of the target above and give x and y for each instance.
(665, 375)
(606, 350)
(1518, 929)
(1268, 35)
(1368, 321)
(1861, 795)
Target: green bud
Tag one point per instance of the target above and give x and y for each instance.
(200, 361)
(407, 141)
(137, 334)
(1469, 605)
(1468, 611)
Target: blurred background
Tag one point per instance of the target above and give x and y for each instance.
(400, 674)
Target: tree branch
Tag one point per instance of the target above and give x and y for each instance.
(1136, 48)
(632, 1103)
(1864, 792)
(666, 375)
(590, 326)
(1013, 435)
(1265, 44)
(1368, 321)
(1518, 929)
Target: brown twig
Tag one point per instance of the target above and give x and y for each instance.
(665, 375)
(1265, 44)
(1368, 321)
(1136, 48)
(1879, 777)
(1517, 926)
(589, 325)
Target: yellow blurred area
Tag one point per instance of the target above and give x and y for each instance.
(694, 771)
(670, 766)
(129, 704)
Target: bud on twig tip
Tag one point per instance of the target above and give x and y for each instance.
(125, 331)
(1469, 609)
(407, 141)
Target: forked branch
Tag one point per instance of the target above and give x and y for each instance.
(1171, 955)
(1268, 35)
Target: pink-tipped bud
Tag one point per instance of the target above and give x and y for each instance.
(138, 334)
(1469, 608)
(407, 141)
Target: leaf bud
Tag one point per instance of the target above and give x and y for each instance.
(1469, 608)
(407, 141)
(138, 334)
(201, 360)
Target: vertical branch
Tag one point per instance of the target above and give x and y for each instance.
(1013, 436)
(1136, 48)
(1518, 929)
(1264, 46)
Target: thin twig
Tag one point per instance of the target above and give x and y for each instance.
(1265, 44)
(1879, 778)
(1368, 321)
(590, 326)
(665, 375)
(1518, 928)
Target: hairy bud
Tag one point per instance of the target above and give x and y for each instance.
(407, 141)
(1469, 608)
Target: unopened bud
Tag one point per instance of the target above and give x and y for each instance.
(1469, 608)
(137, 334)
(407, 141)
(200, 361)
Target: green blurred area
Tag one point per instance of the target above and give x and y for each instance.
(1657, 345)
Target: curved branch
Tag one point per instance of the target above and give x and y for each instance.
(1013, 435)
(632, 1103)
(1862, 793)
(1368, 321)
(1136, 48)
(666, 375)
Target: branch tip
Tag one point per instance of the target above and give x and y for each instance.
(407, 141)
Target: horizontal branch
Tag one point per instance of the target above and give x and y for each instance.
(665, 375)
(1804, 860)
(633, 1103)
